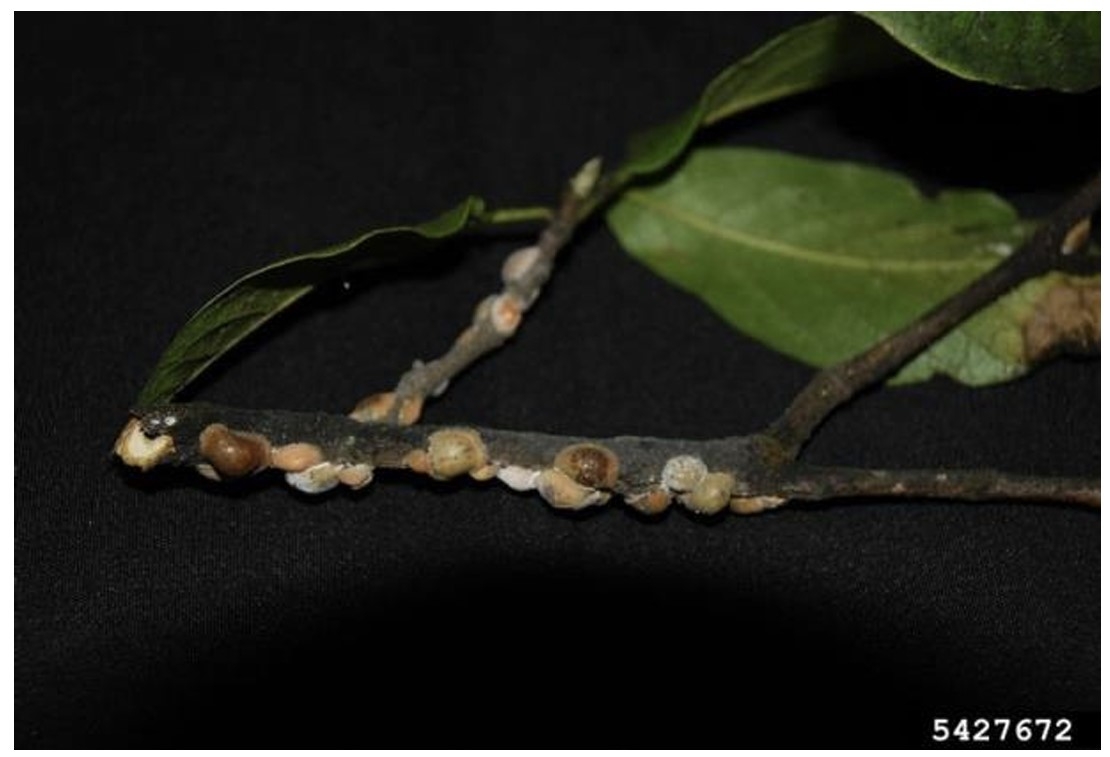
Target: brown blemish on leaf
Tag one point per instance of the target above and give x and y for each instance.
(233, 453)
(1067, 317)
(591, 465)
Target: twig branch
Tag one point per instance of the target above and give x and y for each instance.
(496, 319)
(1052, 245)
(805, 482)
(317, 452)
(745, 474)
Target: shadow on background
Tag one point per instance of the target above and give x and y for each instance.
(498, 660)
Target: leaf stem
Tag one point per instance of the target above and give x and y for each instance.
(517, 215)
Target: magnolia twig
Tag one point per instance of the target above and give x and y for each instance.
(317, 452)
(745, 474)
(1054, 244)
(495, 320)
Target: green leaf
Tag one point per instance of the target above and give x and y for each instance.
(821, 259)
(806, 57)
(1044, 49)
(246, 305)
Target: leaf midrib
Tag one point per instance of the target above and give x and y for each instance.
(708, 226)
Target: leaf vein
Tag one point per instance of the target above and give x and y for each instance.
(784, 249)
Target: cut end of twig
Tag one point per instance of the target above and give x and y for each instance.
(137, 449)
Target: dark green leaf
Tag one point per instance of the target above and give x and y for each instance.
(1053, 49)
(820, 259)
(806, 57)
(243, 307)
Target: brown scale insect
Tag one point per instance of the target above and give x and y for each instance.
(589, 465)
(234, 453)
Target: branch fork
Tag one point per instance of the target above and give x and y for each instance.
(744, 474)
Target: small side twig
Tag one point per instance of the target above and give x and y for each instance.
(1052, 245)
(496, 319)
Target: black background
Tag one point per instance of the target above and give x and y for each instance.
(158, 157)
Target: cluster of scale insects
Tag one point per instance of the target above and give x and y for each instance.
(581, 474)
